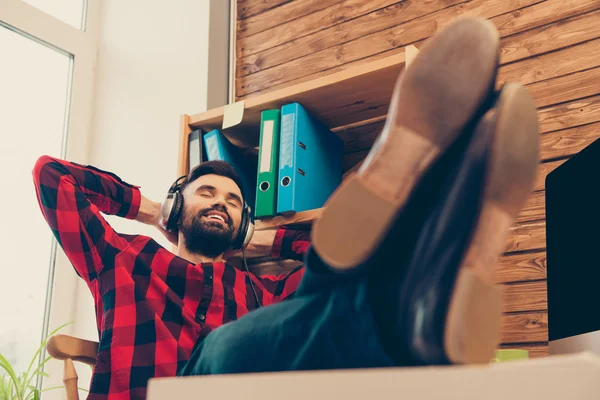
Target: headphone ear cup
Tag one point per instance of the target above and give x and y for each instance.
(249, 233)
(175, 212)
(241, 237)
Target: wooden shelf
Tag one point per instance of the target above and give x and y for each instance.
(304, 217)
(353, 103)
(339, 99)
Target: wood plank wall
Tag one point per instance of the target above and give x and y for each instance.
(552, 46)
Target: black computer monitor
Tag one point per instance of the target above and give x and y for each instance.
(573, 253)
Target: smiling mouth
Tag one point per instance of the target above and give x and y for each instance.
(215, 217)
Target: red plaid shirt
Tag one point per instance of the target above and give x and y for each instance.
(151, 305)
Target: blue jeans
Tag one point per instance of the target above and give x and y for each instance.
(328, 324)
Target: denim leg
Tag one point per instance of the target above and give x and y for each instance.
(319, 328)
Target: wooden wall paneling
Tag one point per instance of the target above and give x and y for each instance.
(541, 14)
(392, 38)
(338, 11)
(341, 33)
(248, 8)
(567, 115)
(282, 16)
(546, 38)
(534, 208)
(526, 296)
(533, 42)
(567, 87)
(525, 327)
(528, 16)
(521, 267)
(526, 236)
(567, 142)
(550, 65)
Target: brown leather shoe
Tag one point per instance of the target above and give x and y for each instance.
(447, 307)
(448, 86)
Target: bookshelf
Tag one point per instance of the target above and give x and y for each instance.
(344, 101)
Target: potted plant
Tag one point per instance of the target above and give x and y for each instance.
(14, 386)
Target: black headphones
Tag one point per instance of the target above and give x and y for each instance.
(173, 204)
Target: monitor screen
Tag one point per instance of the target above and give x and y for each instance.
(573, 245)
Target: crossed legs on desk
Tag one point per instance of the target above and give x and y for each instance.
(410, 283)
(339, 321)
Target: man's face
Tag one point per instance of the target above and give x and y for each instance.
(212, 211)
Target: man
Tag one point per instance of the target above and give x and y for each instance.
(153, 305)
(401, 267)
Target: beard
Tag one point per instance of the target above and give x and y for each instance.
(207, 237)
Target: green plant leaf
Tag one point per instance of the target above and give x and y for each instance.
(39, 349)
(4, 364)
(52, 388)
(35, 393)
(19, 387)
(5, 388)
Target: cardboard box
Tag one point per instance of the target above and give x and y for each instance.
(565, 377)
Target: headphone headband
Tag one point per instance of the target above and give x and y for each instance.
(176, 185)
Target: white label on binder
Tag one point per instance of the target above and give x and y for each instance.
(267, 146)
(212, 148)
(287, 139)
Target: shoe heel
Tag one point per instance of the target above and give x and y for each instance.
(472, 331)
(433, 103)
(371, 214)
(472, 327)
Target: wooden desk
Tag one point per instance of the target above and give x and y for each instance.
(565, 377)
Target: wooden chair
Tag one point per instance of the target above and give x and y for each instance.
(69, 349)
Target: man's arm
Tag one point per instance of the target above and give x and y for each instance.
(283, 242)
(71, 198)
(287, 243)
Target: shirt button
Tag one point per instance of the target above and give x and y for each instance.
(209, 277)
(201, 316)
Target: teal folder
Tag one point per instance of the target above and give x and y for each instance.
(268, 164)
(310, 161)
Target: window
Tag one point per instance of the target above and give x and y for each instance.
(48, 50)
(35, 81)
(73, 12)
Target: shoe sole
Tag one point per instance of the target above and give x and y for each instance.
(446, 87)
(472, 327)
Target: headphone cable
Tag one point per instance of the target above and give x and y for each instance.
(250, 277)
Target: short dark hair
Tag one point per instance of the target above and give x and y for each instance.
(214, 167)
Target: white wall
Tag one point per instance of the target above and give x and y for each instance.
(152, 67)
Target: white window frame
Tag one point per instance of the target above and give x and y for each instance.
(83, 46)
